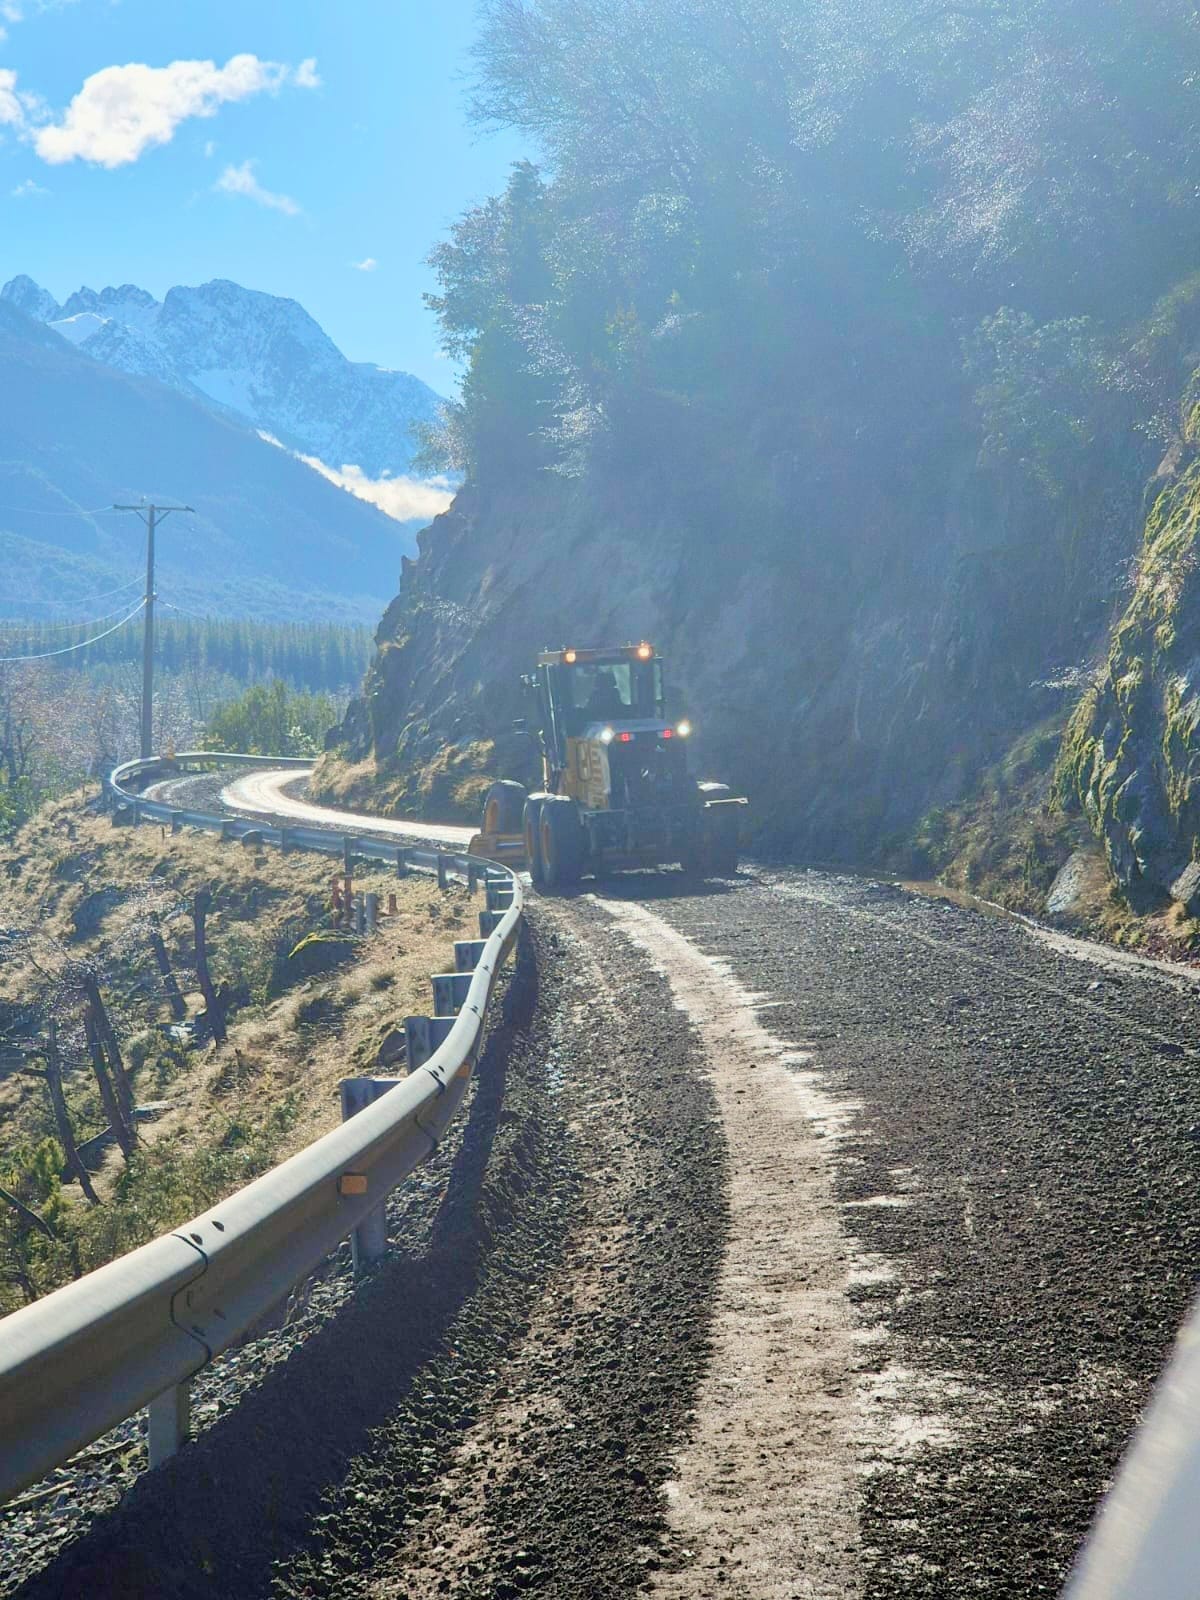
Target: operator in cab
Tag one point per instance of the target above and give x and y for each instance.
(605, 699)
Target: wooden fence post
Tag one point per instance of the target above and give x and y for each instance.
(170, 982)
(62, 1120)
(214, 1003)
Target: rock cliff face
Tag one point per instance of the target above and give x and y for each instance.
(849, 685)
(1131, 756)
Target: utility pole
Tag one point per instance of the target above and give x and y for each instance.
(151, 516)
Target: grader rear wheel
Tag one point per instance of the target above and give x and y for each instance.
(503, 807)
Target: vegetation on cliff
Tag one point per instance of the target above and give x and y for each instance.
(832, 347)
(1130, 760)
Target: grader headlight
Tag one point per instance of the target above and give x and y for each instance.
(607, 735)
(683, 729)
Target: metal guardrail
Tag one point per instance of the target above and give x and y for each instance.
(135, 1332)
(1144, 1544)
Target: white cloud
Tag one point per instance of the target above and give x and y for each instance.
(28, 190)
(305, 76)
(368, 264)
(404, 499)
(121, 112)
(241, 180)
(17, 107)
(210, 149)
(10, 11)
(12, 113)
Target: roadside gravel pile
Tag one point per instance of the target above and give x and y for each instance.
(1022, 1178)
(199, 791)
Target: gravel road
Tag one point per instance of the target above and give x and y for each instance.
(806, 1238)
(1018, 1171)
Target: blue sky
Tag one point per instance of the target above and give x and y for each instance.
(337, 135)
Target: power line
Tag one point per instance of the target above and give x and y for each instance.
(184, 612)
(44, 655)
(85, 600)
(29, 511)
(36, 630)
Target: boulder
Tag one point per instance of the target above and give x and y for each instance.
(1069, 884)
(1186, 889)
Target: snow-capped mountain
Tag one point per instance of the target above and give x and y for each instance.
(256, 355)
(269, 537)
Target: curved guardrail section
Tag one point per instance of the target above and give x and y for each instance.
(136, 1331)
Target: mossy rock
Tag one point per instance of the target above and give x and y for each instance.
(318, 953)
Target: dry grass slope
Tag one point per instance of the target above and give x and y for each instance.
(74, 889)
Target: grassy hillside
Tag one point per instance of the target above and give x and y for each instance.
(78, 895)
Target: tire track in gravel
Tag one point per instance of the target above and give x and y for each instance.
(765, 1490)
(1025, 1171)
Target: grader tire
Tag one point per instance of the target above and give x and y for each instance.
(503, 807)
(561, 841)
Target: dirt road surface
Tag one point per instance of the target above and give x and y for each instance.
(806, 1238)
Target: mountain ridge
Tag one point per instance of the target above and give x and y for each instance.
(270, 538)
(262, 357)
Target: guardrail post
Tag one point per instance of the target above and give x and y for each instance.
(401, 864)
(499, 894)
(177, 822)
(450, 991)
(347, 853)
(422, 1036)
(472, 877)
(227, 830)
(489, 921)
(468, 953)
(443, 880)
(360, 914)
(284, 842)
(168, 1422)
(372, 909)
(369, 1240)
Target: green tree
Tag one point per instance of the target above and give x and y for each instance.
(272, 720)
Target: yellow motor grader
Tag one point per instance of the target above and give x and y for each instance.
(616, 791)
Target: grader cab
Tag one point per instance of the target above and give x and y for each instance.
(616, 791)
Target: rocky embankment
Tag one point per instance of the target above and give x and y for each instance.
(1131, 756)
(848, 687)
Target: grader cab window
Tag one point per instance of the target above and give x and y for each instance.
(601, 691)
